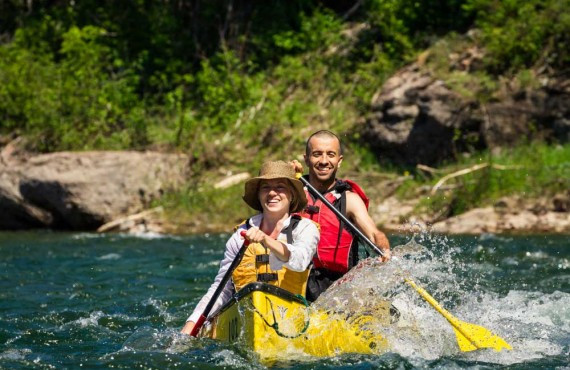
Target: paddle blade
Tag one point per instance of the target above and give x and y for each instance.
(471, 337)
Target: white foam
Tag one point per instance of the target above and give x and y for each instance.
(161, 307)
(536, 324)
(15, 354)
(229, 358)
(110, 256)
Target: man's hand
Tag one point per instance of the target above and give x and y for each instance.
(297, 166)
(387, 255)
(382, 242)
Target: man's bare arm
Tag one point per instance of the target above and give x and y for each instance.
(357, 212)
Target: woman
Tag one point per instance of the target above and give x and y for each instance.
(288, 242)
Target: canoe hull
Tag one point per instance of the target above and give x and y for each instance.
(274, 323)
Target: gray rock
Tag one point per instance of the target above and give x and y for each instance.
(417, 118)
(414, 118)
(82, 191)
(17, 213)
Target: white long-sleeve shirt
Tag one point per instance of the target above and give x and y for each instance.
(305, 239)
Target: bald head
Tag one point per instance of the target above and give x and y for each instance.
(322, 134)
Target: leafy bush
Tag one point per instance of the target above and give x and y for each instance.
(519, 33)
(84, 100)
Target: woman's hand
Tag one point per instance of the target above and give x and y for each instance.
(187, 329)
(255, 235)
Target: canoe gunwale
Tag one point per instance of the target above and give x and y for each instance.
(257, 287)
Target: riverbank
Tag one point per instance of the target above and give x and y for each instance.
(509, 215)
(142, 192)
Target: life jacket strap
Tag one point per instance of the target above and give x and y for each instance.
(292, 225)
(311, 209)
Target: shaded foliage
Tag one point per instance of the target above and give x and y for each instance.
(200, 75)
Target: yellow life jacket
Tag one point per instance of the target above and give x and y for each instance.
(254, 266)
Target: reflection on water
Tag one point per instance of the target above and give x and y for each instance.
(70, 300)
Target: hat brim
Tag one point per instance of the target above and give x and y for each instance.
(251, 193)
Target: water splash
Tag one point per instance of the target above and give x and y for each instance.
(530, 321)
(61, 307)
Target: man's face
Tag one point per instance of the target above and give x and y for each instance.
(323, 158)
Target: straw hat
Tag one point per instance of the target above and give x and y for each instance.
(275, 170)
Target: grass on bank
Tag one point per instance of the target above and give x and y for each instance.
(531, 171)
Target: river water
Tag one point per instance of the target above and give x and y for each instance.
(118, 301)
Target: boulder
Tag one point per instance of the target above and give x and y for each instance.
(417, 118)
(83, 190)
(508, 215)
(476, 221)
(18, 213)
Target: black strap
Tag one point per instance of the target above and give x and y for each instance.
(312, 209)
(341, 186)
(262, 258)
(267, 276)
(295, 219)
(341, 206)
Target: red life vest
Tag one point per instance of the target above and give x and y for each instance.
(333, 250)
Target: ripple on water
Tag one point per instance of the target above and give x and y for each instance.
(15, 354)
(128, 304)
(109, 256)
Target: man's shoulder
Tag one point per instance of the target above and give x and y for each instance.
(353, 196)
(355, 193)
(355, 204)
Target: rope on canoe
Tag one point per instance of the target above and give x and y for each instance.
(275, 325)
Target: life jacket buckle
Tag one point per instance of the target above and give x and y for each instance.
(262, 258)
(267, 276)
(312, 209)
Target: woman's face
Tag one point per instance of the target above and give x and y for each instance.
(275, 196)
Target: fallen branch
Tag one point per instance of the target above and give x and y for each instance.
(137, 216)
(352, 10)
(465, 171)
(426, 188)
(391, 186)
(431, 170)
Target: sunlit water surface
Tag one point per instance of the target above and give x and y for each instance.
(116, 301)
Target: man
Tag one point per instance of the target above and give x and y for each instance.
(337, 251)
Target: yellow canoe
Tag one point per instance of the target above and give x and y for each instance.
(276, 324)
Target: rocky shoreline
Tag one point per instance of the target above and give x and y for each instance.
(82, 190)
(509, 215)
(415, 118)
(113, 191)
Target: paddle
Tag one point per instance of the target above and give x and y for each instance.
(227, 276)
(469, 336)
